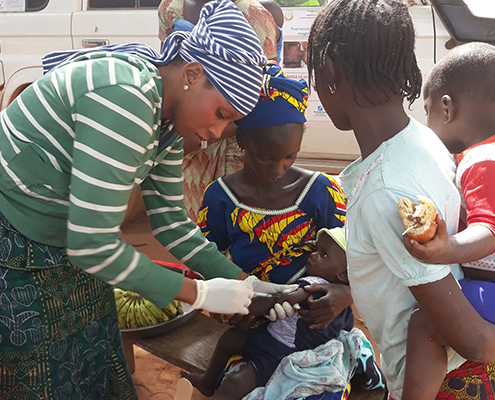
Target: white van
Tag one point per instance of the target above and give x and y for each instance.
(31, 28)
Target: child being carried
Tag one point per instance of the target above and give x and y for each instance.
(264, 347)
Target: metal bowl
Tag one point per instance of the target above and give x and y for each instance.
(158, 329)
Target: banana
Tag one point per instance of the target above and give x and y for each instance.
(148, 315)
(170, 310)
(122, 312)
(118, 293)
(136, 316)
(120, 300)
(135, 311)
(130, 317)
(179, 307)
(142, 322)
(157, 313)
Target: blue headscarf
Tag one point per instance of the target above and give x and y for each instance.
(282, 101)
(223, 43)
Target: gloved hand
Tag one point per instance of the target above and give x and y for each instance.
(278, 311)
(268, 287)
(223, 296)
(281, 311)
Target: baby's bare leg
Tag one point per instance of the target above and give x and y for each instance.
(426, 361)
(237, 384)
(230, 343)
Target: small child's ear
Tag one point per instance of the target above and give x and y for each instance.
(449, 108)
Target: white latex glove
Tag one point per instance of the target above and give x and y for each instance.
(223, 296)
(268, 287)
(278, 311)
(281, 311)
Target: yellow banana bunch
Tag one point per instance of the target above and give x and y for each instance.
(134, 311)
(170, 310)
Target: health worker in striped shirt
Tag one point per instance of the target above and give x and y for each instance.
(72, 147)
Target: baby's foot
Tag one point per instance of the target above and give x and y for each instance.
(199, 383)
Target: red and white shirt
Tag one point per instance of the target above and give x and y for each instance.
(475, 179)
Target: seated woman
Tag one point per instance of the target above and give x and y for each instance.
(266, 213)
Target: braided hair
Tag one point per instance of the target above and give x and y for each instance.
(373, 40)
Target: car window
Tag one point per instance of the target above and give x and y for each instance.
(36, 5)
(123, 3)
(112, 3)
(149, 3)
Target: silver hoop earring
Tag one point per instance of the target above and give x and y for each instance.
(185, 87)
(333, 88)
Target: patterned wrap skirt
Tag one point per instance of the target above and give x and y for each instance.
(59, 332)
(471, 381)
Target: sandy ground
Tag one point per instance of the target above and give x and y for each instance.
(156, 379)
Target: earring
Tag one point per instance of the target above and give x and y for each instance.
(239, 148)
(333, 88)
(185, 87)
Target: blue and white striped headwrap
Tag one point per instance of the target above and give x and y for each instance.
(222, 41)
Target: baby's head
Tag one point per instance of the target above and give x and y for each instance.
(329, 260)
(459, 95)
(271, 134)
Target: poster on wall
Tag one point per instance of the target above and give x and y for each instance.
(297, 24)
(298, 21)
(12, 5)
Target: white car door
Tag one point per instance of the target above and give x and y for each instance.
(116, 21)
(40, 26)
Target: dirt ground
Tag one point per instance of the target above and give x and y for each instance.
(156, 379)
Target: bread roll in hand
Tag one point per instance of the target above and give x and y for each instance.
(418, 218)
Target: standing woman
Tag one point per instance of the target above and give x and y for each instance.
(72, 147)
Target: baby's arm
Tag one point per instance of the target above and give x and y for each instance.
(261, 305)
(472, 244)
(426, 360)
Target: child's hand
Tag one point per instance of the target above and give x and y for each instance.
(433, 251)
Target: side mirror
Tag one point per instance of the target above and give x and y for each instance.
(462, 25)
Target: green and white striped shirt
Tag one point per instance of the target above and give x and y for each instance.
(73, 146)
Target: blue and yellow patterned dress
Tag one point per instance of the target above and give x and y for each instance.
(271, 243)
